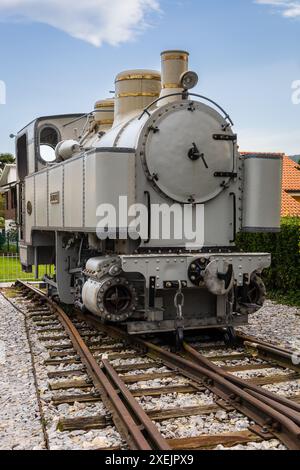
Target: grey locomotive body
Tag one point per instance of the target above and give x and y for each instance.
(160, 147)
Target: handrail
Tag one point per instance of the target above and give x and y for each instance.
(233, 195)
(147, 194)
(185, 95)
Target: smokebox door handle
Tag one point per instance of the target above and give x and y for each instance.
(234, 217)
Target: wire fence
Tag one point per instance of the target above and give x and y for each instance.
(9, 241)
(11, 269)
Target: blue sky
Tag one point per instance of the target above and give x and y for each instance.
(57, 56)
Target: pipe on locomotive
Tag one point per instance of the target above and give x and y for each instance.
(174, 64)
(100, 122)
(104, 114)
(135, 90)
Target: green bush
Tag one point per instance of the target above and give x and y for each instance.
(2, 240)
(283, 278)
(9, 241)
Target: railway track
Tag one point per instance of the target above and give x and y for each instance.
(134, 426)
(132, 377)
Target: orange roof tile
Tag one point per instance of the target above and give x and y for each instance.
(291, 175)
(289, 206)
(290, 182)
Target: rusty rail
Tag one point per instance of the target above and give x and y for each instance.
(275, 415)
(263, 412)
(153, 435)
(267, 351)
(282, 404)
(251, 339)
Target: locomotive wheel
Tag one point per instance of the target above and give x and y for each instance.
(257, 291)
(178, 340)
(230, 338)
(254, 295)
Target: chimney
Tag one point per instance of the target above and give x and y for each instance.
(174, 64)
(135, 90)
(104, 114)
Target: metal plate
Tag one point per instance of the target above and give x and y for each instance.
(166, 152)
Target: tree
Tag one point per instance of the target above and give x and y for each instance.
(6, 158)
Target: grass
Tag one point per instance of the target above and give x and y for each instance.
(11, 269)
(291, 298)
(11, 293)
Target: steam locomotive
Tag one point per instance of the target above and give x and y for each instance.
(173, 156)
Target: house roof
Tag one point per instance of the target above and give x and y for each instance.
(289, 206)
(4, 177)
(290, 184)
(291, 175)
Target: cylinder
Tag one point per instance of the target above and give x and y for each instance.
(135, 90)
(173, 65)
(111, 298)
(104, 114)
(262, 192)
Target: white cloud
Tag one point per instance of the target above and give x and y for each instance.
(288, 8)
(95, 21)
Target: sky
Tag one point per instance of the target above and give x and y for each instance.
(60, 56)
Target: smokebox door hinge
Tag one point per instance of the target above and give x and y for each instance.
(154, 129)
(225, 137)
(225, 174)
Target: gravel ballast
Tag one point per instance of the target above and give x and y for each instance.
(20, 422)
(276, 324)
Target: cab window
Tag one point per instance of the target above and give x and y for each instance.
(48, 140)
